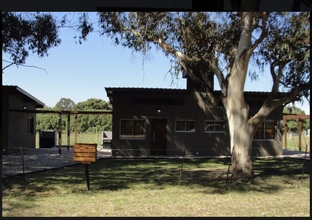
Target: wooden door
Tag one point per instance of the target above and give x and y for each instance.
(159, 141)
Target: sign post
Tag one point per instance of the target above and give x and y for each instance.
(85, 154)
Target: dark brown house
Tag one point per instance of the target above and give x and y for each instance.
(171, 122)
(18, 128)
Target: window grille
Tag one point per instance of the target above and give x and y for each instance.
(212, 126)
(267, 130)
(185, 126)
(132, 129)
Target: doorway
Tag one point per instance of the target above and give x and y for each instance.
(158, 137)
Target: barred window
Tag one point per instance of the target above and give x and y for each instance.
(212, 126)
(185, 126)
(132, 129)
(266, 130)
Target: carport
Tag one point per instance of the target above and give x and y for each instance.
(294, 117)
(60, 113)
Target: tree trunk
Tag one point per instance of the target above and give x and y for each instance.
(237, 109)
(241, 146)
(241, 137)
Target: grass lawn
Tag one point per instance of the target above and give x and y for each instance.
(156, 187)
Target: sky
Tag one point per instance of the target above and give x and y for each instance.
(82, 71)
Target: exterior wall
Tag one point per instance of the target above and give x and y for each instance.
(5, 121)
(16, 134)
(197, 143)
(270, 147)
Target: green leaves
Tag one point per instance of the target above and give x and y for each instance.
(24, 33)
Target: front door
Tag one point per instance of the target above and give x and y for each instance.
(159, 141)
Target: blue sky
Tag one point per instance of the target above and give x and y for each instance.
(80, 72)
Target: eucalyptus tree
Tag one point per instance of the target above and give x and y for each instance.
(230, 46)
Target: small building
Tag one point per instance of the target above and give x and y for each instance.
(174, 122)
(18, 128)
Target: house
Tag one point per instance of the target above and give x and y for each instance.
(18, 127)
(176, 122)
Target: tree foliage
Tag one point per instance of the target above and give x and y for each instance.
(93, 123)
(23, 33)
(64, 104)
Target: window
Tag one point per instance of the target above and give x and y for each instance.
(214, 126)
(185, 126)
(30, 125)
(266, 130)
(132, 129)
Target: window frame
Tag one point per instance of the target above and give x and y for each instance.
(265, 131)
(133, 135)
(192, 130)
(30, 125)
(214, 126)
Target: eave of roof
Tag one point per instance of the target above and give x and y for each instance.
(39, 104)
(109, 90)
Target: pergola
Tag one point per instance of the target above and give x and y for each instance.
(60, 113)
(295, 117)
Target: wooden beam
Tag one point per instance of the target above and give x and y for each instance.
(65, 112)
(295, 117)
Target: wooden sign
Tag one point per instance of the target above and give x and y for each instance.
(85, 153)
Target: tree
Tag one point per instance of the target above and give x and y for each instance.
(94, 123)
(64, 104)
(23, 33)
(202, 45)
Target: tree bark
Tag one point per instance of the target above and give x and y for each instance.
(241, 135)
(237, 109)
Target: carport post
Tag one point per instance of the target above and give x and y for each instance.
(299, 132)
(68, 131)
(60, 133)
(76, 125)
(285, 133)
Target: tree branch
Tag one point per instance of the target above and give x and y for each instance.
(262, 35)
(216, 70)
(276, 78)
(7, 66)
(12, 63)
(273, 102)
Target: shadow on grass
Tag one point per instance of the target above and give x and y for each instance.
(208, 175)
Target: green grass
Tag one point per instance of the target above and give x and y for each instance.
(293, 143)
(141, 187)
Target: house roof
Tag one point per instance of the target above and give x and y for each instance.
(255, 95)
(23, 93)
(113, 90)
